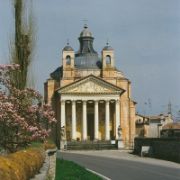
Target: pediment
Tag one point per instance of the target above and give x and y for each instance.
(91, 84)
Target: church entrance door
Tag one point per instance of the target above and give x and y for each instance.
(90, 126)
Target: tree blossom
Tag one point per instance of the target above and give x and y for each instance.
(23, 118)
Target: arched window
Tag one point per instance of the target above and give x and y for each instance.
(68, 60)
(108, 59)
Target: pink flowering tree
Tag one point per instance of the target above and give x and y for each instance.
(23, 117)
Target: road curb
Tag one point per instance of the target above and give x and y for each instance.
(98, 174)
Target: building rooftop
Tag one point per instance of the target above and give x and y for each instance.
(68, 48)
(172, 126)
(107, 47)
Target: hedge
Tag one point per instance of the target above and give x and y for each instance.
(48, 145)
(21, 165)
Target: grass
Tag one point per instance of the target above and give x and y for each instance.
(49, 144)
(36, 144)
(68, 170)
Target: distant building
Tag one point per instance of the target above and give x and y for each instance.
(150, 126)
(91, 97)
(171, 130)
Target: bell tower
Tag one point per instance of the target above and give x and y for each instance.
(67, 65)
(107, 57)
(68, 57)
(108, 67)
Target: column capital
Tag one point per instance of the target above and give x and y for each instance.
(62, 101)
(84, 101)
(117, 100)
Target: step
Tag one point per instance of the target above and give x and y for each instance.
(90, 145)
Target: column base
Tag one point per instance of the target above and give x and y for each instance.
(120, 144)
(96, 140)
(73, 140)
(63, 145)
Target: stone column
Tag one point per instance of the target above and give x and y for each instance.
(63, 126)
(96, 121)
(107, 114)
(63, 113)
(84, 123)
(117, 117)
(73, 120)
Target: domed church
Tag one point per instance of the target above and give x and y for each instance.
(90, 96)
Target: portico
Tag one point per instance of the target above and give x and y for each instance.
(80, 112)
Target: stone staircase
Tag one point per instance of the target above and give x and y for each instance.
(90, 145)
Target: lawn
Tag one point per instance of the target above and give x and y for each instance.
(68, 170)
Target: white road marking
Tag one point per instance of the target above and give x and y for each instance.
(98, 174)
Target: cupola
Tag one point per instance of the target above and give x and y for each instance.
(86, 57)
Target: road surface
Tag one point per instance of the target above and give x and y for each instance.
(123, 166)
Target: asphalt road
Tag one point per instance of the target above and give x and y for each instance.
(122, 169)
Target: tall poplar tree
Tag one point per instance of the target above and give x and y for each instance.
(23, 42)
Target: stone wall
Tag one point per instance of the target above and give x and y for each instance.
(161, 148)
(48, 170)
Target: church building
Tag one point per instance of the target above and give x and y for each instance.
(90, 96)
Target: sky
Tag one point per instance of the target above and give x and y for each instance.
(145, 35)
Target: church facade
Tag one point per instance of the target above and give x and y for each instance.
(90, 96)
